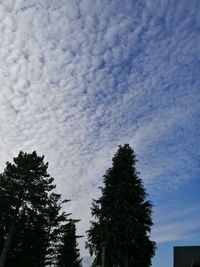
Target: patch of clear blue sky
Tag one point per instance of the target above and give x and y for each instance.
(174, 208)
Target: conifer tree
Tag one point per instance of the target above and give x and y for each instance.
(122, 225)
(30, 213)
(68, 253)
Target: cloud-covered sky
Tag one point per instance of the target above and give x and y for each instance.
(80, 77)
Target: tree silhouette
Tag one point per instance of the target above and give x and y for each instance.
(68, 253)
(122, 215)
(31, 214)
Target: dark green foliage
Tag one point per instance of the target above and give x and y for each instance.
(68, 253)
(28, 200)
(122, 216)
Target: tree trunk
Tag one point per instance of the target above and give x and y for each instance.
(103, 256)
(7, 243)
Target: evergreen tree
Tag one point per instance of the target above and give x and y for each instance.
(68, 253)
(54, 220)
(122, 214)
(30, 213)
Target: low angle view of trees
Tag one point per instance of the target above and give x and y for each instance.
(119, 235)
(36, 232)
(99, 130)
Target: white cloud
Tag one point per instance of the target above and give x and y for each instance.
(78, 78)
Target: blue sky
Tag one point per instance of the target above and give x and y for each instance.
(80, 77)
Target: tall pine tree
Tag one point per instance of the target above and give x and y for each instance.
(68, 253)
(120, 233)
(30, 213)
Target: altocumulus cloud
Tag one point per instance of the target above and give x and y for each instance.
(79, 77)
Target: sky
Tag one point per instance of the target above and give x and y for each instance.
(80, 77)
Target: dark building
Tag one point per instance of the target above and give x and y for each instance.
(188, 256)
